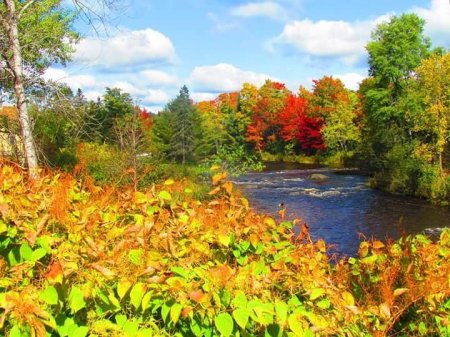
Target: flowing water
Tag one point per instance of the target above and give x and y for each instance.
(342, 208)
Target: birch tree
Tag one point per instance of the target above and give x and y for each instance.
(33, 35)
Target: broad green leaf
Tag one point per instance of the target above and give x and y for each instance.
(295, 325)
(175, 312)
(240, 300)
(131, 328)
(281, 310)
(15, 332)
(122, 288)
(144, 333)
(224, 323)
(81, 331)
(25, 252)
(50, 295)
(165, 195)
(180, 271)
(136, 294)
(76, 300)
(38, 254)
(273, 330)
(241, 317)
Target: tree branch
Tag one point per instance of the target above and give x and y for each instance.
(24, 8)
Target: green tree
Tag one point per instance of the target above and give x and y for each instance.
(114, 104)
(397, 48)
(33, 35)
(177, 130)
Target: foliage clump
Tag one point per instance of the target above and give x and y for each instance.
(77, 259)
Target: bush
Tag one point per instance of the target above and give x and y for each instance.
(79, 261)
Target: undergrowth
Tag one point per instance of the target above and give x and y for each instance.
(77, 259)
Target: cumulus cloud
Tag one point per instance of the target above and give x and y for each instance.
(351, 80)
(267, 9)
(223, 77)
(437, 18)
(337, 39)
(159, 78)
(128, 48)
(203, 96)
(155, 97)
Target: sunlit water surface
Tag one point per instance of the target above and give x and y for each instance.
(342, 208)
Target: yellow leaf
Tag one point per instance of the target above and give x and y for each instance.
(348, 298)
(169, 182)
(400, 291)
(228, 186)
(218, 177)
(270, 222)
(215, 168)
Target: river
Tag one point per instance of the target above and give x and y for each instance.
(341, 209)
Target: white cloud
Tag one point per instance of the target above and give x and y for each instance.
(202, 96)
(339, 39)
(351, 80)
(73, 81)
(223, 77)
(128, 48)
(155, 97)
(437, 18)
(160, 78)
(268, 9)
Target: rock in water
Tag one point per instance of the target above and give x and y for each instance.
(318, 177)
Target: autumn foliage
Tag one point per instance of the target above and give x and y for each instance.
(110, 262)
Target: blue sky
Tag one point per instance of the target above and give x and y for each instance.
(153, 47)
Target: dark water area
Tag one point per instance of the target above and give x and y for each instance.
(341, 209)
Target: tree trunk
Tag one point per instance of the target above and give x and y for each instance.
(19, 90)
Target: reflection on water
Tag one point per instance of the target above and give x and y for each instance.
(342, 207)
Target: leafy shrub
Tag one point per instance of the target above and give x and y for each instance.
(77, 259)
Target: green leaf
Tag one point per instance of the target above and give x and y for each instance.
(136, 294)
(131, 328)
(175, 312)
(240, 300)
(241, 317)
(224, 323)
(144, 333)
(25, 252)
(295, 325)
(50, 295)
(273, 330)
(165, 195)
(281, 310)
(180, 271)
(76, 300)
(38, 254)
(15, 331)
(81, 331)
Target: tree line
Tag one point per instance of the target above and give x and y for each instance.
(396, 125)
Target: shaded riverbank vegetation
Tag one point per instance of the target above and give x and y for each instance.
(77, 259)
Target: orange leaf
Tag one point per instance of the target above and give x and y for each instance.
(55, 273)
(377, 245)
(196, 295)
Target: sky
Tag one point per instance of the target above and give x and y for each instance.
(150, 48)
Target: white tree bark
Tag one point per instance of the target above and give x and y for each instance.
(11, 22)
